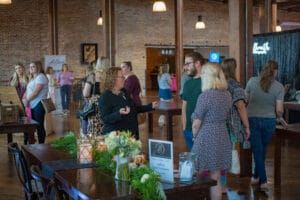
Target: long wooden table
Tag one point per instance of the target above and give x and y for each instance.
(27, 127)
(291, 132)
(292, 111)
(169, 109)
(93, 183)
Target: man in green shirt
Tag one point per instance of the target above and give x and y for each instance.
(191, 90)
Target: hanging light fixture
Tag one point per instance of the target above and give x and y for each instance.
(5, 1)
(200, 24)
(100, 19)
(278, 27)
(159, 6)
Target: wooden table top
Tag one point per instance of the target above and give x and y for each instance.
(20, 123)
(93, 183)
(36, 154)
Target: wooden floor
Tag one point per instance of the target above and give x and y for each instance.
(10, 188)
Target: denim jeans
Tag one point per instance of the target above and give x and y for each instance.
(65, 92)
(38, 114)
(262, 130)
(188, 137)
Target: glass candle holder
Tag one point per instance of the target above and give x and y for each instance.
(84, 151)
(187, 161)
(101, 146)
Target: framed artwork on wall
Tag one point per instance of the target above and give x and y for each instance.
(89, 52)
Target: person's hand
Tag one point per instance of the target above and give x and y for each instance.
(125, 111)
(282, 121)
(155, 104)
(25, 102)
(247, 133)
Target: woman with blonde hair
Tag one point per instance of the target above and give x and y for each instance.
(265, 96)
(19, 79)
(37, 89)
(92, 91)
(211, 140)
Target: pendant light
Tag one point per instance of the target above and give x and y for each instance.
(159, 6)
(200, 24)
(5, 1)
(278, 27)
(100, 19)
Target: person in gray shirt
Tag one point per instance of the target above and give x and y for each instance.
(265, 97)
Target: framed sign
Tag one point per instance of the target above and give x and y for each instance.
(89, 52)
(161, 158)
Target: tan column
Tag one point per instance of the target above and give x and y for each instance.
(265, 16)
(240, 37)
(274, 16)
(52, 26)
(108, 30)
(178, 40)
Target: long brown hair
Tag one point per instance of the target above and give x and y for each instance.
(267, 75)
(229, 66)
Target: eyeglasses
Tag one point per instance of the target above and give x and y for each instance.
(122, 77)
(32, 66)
(188, 63)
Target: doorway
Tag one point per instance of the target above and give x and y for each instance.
(155, 57)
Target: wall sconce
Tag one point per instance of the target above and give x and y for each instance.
(5, 1)
(100, 19)
(159, 6)
(200, 24)
(278, 27)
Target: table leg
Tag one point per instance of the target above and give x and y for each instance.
(150, 123)
(9, 138)
(30, 136)
(169, 123)
(277, 161)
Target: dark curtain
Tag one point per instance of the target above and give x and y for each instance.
(284, 49)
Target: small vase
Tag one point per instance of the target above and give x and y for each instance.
(122, 169)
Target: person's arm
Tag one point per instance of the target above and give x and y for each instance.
(86, 92)
(279, 112)
(183, 114)
(244, 117)
(35, 92)
(195, 127)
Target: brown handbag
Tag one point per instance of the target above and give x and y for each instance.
(48, 105)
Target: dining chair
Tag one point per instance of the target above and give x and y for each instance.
(22, 172)
(50, 189)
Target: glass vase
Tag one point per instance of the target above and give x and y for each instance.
(122, 169)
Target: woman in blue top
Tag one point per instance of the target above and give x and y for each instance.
(164, 83)
(37, 89)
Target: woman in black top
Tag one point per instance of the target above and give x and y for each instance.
(118, 110)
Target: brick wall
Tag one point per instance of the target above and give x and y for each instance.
(24, 30)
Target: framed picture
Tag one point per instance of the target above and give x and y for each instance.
(89, 52)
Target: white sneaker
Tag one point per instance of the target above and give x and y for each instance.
(162, 120)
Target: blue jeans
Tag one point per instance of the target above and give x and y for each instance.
(262, 130)
(65, 92)
(38, 114)
(188, 137)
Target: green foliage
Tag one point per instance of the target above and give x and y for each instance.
(147, 183)
(105, 161)
(67, 143)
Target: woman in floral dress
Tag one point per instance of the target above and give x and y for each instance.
(211, 140)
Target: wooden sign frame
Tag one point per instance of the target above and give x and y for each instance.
(8, 95)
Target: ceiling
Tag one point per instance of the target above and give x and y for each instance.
(287, 5)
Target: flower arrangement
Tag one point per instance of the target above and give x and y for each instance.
(121, 143)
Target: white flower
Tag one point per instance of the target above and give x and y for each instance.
(144, 178)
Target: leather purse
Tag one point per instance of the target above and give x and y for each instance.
(48, 105)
